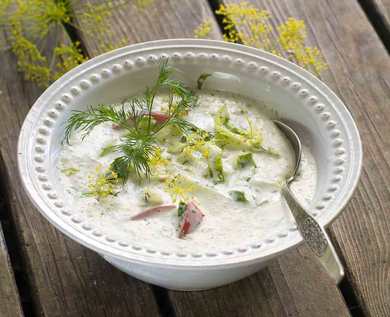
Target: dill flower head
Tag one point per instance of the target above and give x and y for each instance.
(179, 187)
(29, 23)
(204, 29)
(244, 23)
(157, 160)
(103, 184)
(68, 57)
(292, 36)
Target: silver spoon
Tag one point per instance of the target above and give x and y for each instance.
(315, 237)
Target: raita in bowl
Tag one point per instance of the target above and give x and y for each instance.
(190, 198)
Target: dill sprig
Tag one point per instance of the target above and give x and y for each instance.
(137, 149)
(85, 121)
(138, 145)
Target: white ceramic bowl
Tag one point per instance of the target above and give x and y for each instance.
(293, 92)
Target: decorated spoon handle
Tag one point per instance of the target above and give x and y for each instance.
(315, 237)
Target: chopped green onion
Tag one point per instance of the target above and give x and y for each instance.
(181, 209)
(234, 129)
(219, 169)
(245, 160)
(221, 117)
(70, 171)
(226, 138)
(107, 150)
(269, 151)
(238, 195)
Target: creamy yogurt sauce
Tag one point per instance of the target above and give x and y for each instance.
(227, 223)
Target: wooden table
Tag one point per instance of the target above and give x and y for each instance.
(43, 273)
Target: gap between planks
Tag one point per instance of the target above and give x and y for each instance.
(10, 303)
(378, 13)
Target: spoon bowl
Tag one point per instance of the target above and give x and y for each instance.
(296, 143)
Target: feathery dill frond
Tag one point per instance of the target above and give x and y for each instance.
(138, 149)
(138, 146)
(85, 121)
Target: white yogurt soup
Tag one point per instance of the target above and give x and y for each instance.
(181, 171)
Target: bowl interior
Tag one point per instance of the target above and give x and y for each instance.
(275, 97)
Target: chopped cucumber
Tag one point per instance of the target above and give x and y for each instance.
(152, 197)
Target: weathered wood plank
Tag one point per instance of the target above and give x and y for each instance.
(310, 290)
(359, 72)
(66, 278)
(9, 297)
(129, 23)
(294, 285)
(277, 291)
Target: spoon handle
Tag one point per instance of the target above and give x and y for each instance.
(315, 237)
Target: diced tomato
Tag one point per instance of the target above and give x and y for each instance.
(152, 211)
(159, 116)
(156, 115)
(191, 219)
(185, 228)
(117, 127)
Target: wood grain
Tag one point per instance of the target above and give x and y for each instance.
(66, 278)
(304, 285)
(9, 297)
(359, 72)
(160, 20)
(279, 291)
(293, 285)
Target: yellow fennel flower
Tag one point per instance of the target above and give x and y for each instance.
(204, 29)
(244, 23)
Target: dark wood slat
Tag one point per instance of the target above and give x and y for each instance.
(378, 13)
(278, 291)
(359, 72)
(383, 7)
(9, 297)
(66, 279)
